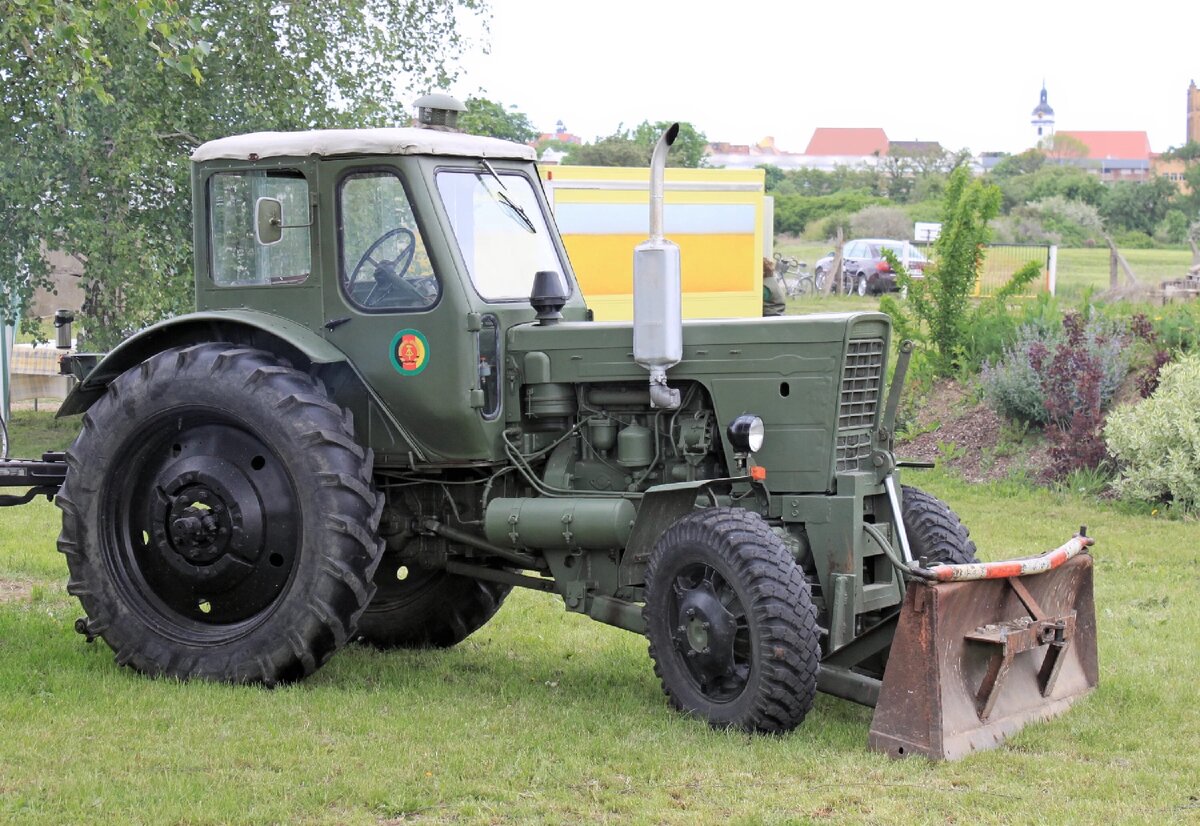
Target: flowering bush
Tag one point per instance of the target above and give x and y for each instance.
(1017, 384)
(1157, 442)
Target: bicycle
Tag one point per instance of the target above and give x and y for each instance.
(798, 283)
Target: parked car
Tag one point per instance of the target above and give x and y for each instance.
(865, 270)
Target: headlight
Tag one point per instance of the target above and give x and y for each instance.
(746, 433)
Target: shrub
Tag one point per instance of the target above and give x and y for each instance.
(941, 300)
(830, 225)
(1020, 386)
(1174, 228)
(793, 213)
(1012, 386)
(1073, 379)
(1133, 239)
(1157, 442)
(881, 222)
(1052, 220)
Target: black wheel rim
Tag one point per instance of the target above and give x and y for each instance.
(710, 632)
(398, 584)
(203, 531)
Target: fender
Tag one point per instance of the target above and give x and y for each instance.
(661, 505)
(270, 332)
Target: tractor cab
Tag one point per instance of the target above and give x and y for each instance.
(394, 245)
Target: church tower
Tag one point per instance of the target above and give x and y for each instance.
(1043, 118)
(1193, 114)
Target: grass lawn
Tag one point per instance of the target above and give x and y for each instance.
(545, 716)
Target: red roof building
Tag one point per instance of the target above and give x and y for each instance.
(1112, 145)
(1118, 156)
(847, 142)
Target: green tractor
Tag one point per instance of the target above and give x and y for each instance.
(392, 405)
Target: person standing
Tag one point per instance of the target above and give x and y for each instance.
(774, 296)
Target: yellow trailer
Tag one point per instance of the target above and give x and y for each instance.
(716, 216)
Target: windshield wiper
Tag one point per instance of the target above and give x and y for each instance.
(502, 197)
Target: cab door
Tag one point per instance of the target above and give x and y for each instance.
(394, 306)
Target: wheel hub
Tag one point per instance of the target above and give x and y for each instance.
(211, 517)
(704, 634)
(198, 526)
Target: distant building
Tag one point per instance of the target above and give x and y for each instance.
(1193, 114)
(828, 149)
(1172, 169)
(559, 134)
(1114, 156)
(748, 156)
(914, 148)
(1043, 118)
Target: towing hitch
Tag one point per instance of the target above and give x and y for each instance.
(42, 477)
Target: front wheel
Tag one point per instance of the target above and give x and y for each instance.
(218, 518)
(732, 628)
(861, 287)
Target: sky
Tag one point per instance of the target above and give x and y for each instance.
(965, 74)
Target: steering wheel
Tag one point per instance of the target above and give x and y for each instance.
(389, 272)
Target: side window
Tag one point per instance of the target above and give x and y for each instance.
(238, 259)
(384, 265)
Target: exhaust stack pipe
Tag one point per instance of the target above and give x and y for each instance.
(657, 295)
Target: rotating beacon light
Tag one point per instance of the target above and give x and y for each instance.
(657, 296)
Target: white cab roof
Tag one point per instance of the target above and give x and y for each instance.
(331, 142)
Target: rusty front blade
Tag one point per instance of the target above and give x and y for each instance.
(973, 662)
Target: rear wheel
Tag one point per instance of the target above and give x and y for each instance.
(421, 608)
(732, 628)
(218, 518)
(934, 531)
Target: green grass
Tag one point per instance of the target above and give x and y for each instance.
(1080, 270)
(33, 432)
(545, 716)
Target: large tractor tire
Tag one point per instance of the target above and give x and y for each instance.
(421, 608)
(218, 518)
(732, 628)
(934, 531)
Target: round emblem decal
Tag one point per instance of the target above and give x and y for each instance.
(410, 352)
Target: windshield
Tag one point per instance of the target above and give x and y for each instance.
(500, 230)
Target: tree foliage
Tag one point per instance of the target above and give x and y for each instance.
(941, 300)
(1137, 205)
(53, 55)
(794, 213)
(1062, 147)
(495, 120)
(633, 147)
(103, 175)
(1189, 152)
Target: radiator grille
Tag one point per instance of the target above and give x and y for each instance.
(851, 449)
(862, 378)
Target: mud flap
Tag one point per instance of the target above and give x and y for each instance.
(973, 662)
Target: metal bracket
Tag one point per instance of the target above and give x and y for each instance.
(1017, 636)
